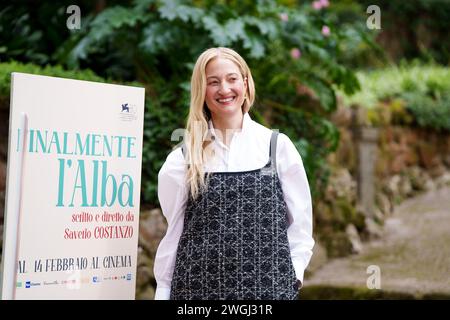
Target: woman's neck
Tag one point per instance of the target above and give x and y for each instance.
(226, 127)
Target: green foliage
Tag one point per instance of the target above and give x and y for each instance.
(19, 39)
(32, 31)
(359, 48)
(407, 94)
(393, 81)
(159, 123)
(55, 71)
(430, 112)
(296, 67)
(416, 28)
(161, 40)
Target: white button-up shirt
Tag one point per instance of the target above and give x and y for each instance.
(248, 150)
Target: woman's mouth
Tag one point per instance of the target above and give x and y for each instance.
(226, 101)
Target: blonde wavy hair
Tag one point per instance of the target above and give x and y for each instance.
(197, 137)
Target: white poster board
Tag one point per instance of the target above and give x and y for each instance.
(73, 189)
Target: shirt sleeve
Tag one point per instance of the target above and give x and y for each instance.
(297, 196)
(172, 194)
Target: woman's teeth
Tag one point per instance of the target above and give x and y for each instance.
(225, 100)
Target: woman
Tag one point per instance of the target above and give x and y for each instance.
(235, 196)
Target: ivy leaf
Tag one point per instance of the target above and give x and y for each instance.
(216, 32)
(79, 52)
(173, 9)
(303, 147)
(114, 18)
(329, 131)
(234, 29)
(157, 37)
(255, 45)
(324, 92)
(317, 52)
(266, 27)
(350, 83)
(168, 9)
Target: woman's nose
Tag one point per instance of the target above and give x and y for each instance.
(224, 88)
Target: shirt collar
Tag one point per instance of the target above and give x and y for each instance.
(246, 123)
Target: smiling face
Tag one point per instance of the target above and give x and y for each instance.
(225, 87)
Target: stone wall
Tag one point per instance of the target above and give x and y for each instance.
(406, 161)
(152, 228)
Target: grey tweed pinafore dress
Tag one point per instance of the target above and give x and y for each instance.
(234, 244)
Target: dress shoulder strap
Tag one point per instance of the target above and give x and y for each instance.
(273, 149)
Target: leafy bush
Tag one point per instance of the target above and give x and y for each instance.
(294, 62)
(389, 82)
(295, 53)
(415, 29)
(32, 31)
(430, 112)
(408, 94)
(55, 71)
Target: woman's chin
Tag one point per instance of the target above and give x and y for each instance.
(227, 109)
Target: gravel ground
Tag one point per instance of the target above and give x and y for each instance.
(413, 254)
